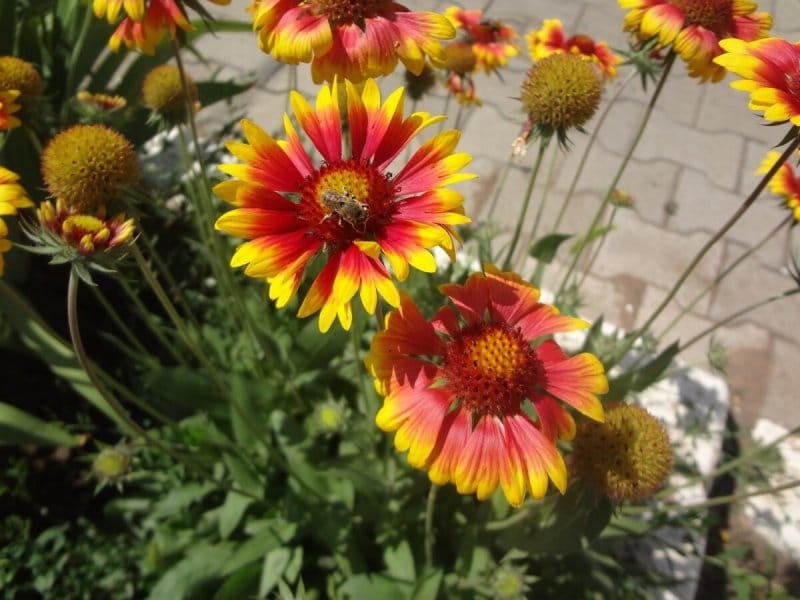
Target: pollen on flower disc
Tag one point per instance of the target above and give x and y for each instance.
(163, 91)
(18, 74)
(87, 165)
(561, 91)
(626, 457)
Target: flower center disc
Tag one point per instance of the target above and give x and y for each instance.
(714, 15)
(491, 368)
(345, 201)
(348, 11)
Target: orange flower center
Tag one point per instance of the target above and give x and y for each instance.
(714, 15)
(346, 201)
(348, 11)
(492, 368)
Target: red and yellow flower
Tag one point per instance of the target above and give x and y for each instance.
(770, 71)
(492, 41)
(694, 28)
(351, 40)
(8, 107)
(473, 394)
(551, 39)
(86, 233)
(784, 183)
(348, 209)
(5, 245)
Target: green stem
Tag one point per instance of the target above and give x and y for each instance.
(459, 116)
(75, 55)
(718, 279)
(543, 143)
(369, 407)
(589, 145)
(548, 184)
(515, 519)
(501, 183)
(446, 107)
(429, 535)
(119, 322)
(668, 62)
(716, 501)
(729, 465)
(736, 315)
(154, 328)
(790, 149)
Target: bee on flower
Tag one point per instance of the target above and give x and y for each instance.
(346, 212)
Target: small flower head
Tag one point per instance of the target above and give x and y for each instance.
(419, 85)
(460, 63)
(329, 418)
(474, 393)
(784, 183)
(20, 75)
(100, 102)
(87, 166)
(561, 92)
(346, 208)
(626, 457)
(551, 39)
(163, 92)
(770, 71)
(145, 33)
(350, 40)
(12, 194)
(8, 107)
(67, 234)
(492, 41)
(112, 463)
(509, 582)
(694, 28)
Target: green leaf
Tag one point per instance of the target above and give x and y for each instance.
(201, 565)
(209, 92)
(275, 563)
(375, 586)
(179, 498)
(545, 248)
(400, 561)
(652, 371)
(576, 518)
(240, 584)
(231, 513)
(428, 585)
(181, 391)
(590, 237)
(18, 427)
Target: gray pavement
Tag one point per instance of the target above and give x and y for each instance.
(693, 167)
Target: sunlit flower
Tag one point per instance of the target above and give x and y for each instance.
(349, 209)
(88, 166)
(784, 183)
(8, 107)
(460, 63)
(86, 233)
(20, 75)
(461, 389)
(12, 194)
(694, 28)
(626, 457)
(561, 92)
(5, 245)
(101, 102)
(492, 41)
(770, 71)
(164, 93)
(551, 39)
(146, 33)
(351, 40)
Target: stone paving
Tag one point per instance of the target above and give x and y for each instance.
(692, 168)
